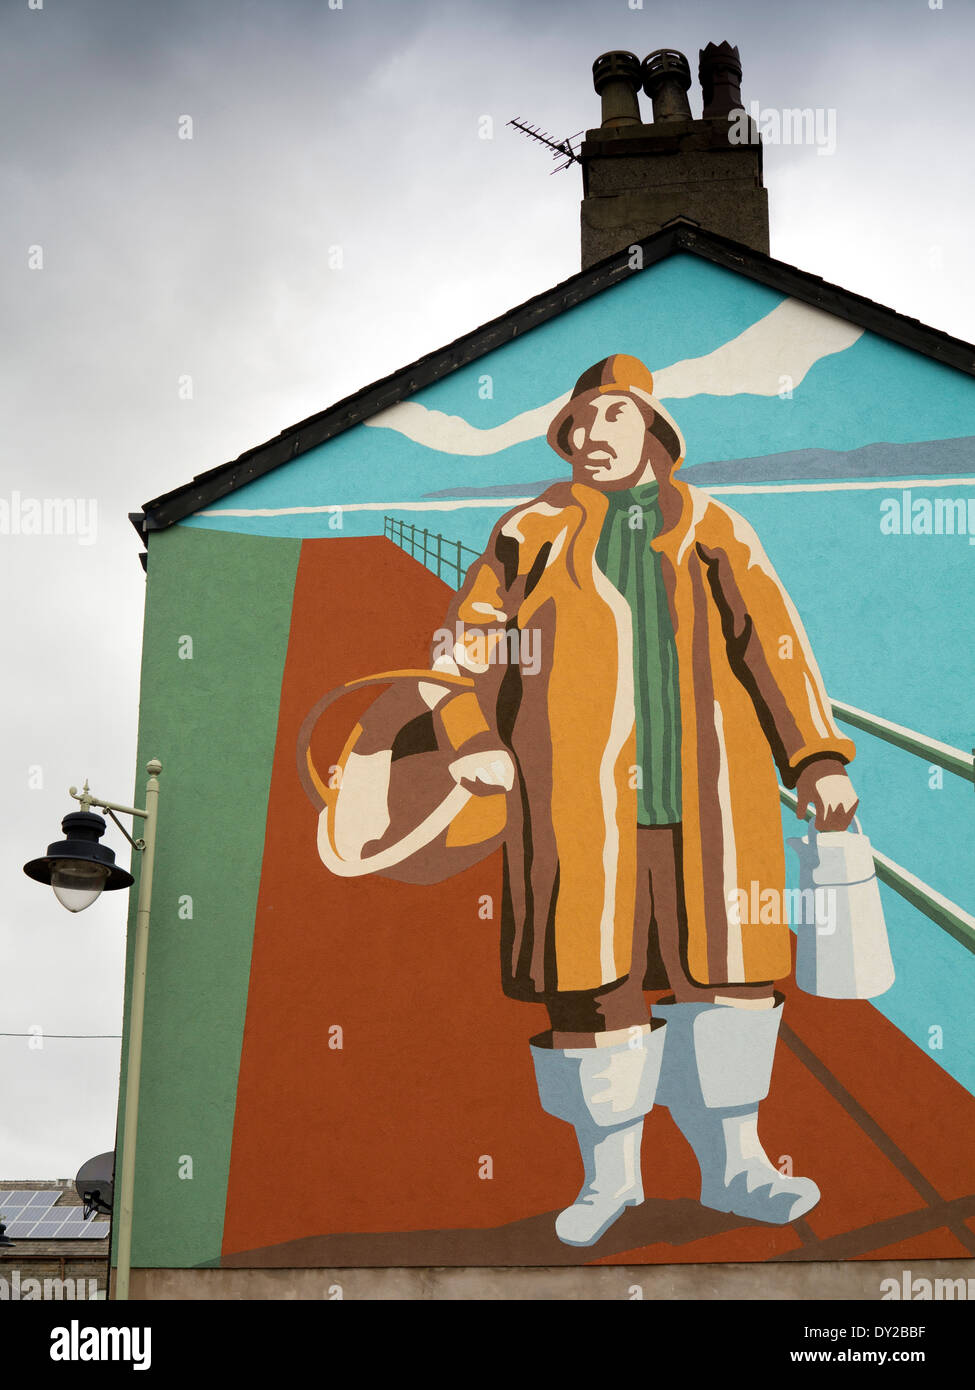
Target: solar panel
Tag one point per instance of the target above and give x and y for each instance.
(43, 1199)
(46, 1230)
(32, 1201)
(57, 1230)
(32, 1214)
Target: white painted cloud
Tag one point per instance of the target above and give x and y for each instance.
(784, 344)
(452, 434)
(777, 350)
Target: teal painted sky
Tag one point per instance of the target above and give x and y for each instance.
(874, 391)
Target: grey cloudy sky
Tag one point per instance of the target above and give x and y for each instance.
(316, 127)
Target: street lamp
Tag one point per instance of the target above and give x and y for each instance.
(78, 868)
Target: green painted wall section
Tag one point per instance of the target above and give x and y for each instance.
(211, 718)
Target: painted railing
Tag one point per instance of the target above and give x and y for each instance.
(438, 553)
(942, 754)
(430, 548)
(948, 915)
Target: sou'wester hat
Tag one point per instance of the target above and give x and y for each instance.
(616, 375)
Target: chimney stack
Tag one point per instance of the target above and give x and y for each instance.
(638, 176)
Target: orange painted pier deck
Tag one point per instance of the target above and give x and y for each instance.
(420, 1140)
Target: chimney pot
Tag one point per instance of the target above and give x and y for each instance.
(616, 78)
(719, 72)
(666, 78)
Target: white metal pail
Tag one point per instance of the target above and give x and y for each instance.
(843, 951)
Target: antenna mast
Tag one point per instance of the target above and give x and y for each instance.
(560, 149)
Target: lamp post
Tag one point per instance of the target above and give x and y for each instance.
(79, 869)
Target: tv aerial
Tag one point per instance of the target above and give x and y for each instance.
(561, 149)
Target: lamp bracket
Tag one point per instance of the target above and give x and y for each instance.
(136, 844)
(87, 801)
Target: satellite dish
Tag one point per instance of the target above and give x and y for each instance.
(95, 1184)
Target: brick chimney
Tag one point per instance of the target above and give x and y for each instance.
(639, 176)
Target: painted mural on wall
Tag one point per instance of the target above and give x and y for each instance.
(633, 666)
(559, 664)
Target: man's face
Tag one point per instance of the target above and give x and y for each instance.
(609, 442)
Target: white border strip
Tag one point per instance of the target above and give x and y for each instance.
(456, 504)
(435, 506)
(873, 485)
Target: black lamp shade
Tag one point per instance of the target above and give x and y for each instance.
(79, 858)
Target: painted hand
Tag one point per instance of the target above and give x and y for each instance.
(825, 786)
(484, 773)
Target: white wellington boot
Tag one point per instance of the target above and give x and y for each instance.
(604, 1093)
(717, 1067)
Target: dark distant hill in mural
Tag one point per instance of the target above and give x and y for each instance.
(929, 458)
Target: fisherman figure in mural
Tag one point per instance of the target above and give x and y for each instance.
(633, 761)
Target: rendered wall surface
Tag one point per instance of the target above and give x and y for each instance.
(211, 717)
(333, 1075)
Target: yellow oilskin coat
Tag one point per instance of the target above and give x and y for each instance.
(751, 699)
